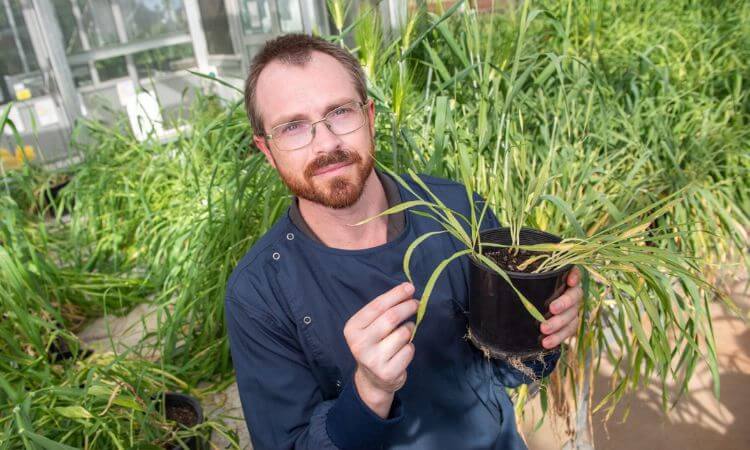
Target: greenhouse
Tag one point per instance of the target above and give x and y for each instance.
(70, 59)
(190, 256)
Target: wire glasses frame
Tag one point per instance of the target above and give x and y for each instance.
(342, 120)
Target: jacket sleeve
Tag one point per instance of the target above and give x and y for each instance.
(508, 375)
(281, 400)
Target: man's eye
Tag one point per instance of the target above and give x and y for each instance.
(288, 128)
(342, 110)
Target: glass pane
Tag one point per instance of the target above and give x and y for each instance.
(85, 24)
(290, 16)
(252, 50)
(216, 27)
(68, 26)
(18, 65)
(81, 75)
(146, 19)
(108, 69)
(256, 17)
(112, 68)
(99, 23)
(164, 59)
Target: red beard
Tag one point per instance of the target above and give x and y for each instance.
(340, 191)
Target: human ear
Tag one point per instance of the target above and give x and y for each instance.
(262, 144)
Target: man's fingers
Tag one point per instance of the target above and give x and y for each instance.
(574, 276)
(400, 361)
(556, 339)
(558, 321)
(377, 307)
(571, 297)
(396, 340)
(389, 320)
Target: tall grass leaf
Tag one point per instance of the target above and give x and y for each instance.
(449, 39)
(431, 285)
(216, 80)
(569, 214)
(442, 118)
(73, 412)
(395, 209)
(46, 443)
(413, 246)
(432, 26)
(635, 322)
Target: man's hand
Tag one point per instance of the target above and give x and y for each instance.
(381, 347)
(564, 309)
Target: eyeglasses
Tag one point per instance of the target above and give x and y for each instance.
(294, 135)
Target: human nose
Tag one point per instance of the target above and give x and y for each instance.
(324, 140)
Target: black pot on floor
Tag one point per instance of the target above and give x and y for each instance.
(60, 350)
(186, 410)
(499, 324)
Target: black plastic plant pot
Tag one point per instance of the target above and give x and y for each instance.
(499, 323)
(187, 411)
(60, 351)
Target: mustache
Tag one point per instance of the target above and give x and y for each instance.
(335, 157)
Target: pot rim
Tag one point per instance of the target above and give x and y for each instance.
(194, 403)
(523, 275)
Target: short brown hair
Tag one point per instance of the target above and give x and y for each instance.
(296, 49)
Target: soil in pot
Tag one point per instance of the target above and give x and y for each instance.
(512, 260)
(187, 412)
(182, 414)
(499, 324)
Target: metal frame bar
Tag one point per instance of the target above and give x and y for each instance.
(52, 40)
(274, 12)
(314, 16)
(198, 36)
(397, 12)
(35, 34)
(235, 32)
(128, 48)
(84, 39)
(110, 84)
(122, 34)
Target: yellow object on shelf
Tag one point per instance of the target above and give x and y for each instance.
(23, 94)
(16, 159)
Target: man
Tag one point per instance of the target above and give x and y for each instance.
(318, 311)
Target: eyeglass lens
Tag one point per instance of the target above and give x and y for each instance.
(342, 120)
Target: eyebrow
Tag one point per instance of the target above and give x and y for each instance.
(299, 116)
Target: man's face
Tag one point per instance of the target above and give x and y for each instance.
(331, 170)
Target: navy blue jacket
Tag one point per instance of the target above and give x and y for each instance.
(286, 305)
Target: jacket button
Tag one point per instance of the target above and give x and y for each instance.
(276, 256)
(307, 320)
(289, 236)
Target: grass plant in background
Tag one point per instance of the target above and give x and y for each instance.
(49, 286)
(104, 401)
(194, 208)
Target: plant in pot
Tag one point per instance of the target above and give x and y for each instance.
(186, 412)
(532, 131)
(516, 271)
